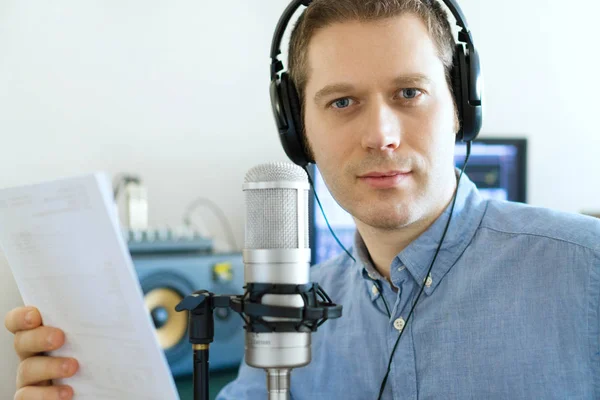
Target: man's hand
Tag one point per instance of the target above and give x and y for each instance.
(36, 371)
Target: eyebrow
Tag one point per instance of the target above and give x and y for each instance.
(412, 79)
(332, 89)
(403, 80)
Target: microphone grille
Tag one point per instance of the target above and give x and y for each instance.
(276, 171)
(275, 217)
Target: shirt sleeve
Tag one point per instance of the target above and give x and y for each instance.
(250, 384)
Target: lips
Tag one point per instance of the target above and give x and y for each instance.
(383, 174)
(385, 180)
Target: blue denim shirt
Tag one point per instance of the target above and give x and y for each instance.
(511, 312)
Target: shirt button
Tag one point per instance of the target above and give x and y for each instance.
(401, 268)
(372, 276)
(429, 281)
(374, 289)
(399, 324)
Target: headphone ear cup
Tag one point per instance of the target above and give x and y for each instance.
(294, 137)
(458, 87)
(294, 101)
(465, 80)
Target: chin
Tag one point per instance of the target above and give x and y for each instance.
(388, 224)
(386, 219)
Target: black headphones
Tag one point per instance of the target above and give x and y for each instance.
(466, 82)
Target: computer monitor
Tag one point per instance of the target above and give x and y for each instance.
(497, 166)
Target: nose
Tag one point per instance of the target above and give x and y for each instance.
(382, 129)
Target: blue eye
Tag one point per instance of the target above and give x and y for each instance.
(341, 103)
(410, 93)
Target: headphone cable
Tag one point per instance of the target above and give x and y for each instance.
(389, 366)
(385, 378)
(323, 213)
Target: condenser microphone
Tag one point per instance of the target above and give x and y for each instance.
(280, 306)
(277, 256)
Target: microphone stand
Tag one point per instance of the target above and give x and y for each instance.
(202, 303)
(200, 371)
(278, 383)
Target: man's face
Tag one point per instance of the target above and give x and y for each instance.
(380, 120)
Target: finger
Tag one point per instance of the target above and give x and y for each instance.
(44, 393)
(35, 370)
(38, 340)
(22, 318)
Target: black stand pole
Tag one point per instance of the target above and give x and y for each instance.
(200, 372)
(201, 332)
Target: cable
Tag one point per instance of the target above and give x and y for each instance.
(323, 213)
(380, 288)
(385, 378)
(387, 308)
(202, 201)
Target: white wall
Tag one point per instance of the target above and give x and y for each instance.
(178, 92)
(542, 82)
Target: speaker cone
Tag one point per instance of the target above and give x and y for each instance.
(171, 326)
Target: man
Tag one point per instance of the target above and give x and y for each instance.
(511, 309)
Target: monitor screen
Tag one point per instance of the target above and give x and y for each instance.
(498, 167)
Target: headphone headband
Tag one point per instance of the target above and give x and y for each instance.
(284, 20)
(277, 66)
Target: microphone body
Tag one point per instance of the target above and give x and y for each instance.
(277, 252)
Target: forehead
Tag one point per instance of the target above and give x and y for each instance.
(357, 51)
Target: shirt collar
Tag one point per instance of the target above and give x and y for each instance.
(418, 255)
